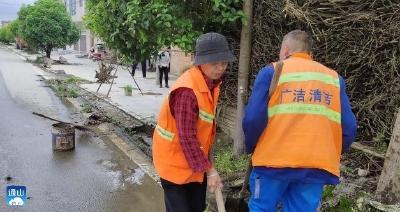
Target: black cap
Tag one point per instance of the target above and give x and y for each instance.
(212, 47)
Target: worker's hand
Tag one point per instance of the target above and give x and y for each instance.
(213, 180)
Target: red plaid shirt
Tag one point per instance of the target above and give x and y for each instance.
(184, 108)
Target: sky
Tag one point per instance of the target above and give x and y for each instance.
(10, 8)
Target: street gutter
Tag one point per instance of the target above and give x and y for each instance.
(108, 131)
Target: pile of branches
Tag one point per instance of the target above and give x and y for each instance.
(358, 38)
(104, 75)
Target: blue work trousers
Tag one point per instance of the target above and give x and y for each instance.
(268, 193)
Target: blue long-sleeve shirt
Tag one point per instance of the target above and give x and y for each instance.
(256, 118)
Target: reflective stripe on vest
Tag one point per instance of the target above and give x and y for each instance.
(304, 119)
(207, 117)
(168, 156)
(308, 76)
(167, 135)
(299, 108)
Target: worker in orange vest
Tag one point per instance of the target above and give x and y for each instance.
(298, 134)
(186, 128)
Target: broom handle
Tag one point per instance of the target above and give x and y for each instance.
(275, 78)
(220, 200)
(272, 87)
(80, 127)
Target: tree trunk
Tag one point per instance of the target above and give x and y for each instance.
(243, 76)
(48, 51)
(388, 190)
(157, 75)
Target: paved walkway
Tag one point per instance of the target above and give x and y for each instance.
(144, 107)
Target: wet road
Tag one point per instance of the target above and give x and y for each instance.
(96, 176)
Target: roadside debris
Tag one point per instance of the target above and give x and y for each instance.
(79, 127)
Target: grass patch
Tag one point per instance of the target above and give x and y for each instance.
(62, 89)
(86, 108)
(74, 80)
(226, 163)
(346, 204)
(72, 93)
(328, 192)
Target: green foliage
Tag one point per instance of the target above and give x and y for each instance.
(328, 192)
(46, 25)
(63, 89)
(345, 205)
(72, 93)
(6, 35)
(138, 29)
(14, 27)
(229, 10)
(74, 80)
(86, 108)
(128, 88)
(226, 162)
(60, 90)
(211, 15)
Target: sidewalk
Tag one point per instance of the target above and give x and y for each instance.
(143, 107)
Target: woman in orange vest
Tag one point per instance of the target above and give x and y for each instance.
(298, 134)
(186, 128)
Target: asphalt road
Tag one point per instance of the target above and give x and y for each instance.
(96, 176)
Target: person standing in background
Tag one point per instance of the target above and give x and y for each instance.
(164, 66)
(144, 68)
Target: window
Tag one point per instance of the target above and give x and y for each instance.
(72, 7)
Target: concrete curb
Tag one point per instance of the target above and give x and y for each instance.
(128, 148)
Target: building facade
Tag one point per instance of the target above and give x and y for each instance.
(4, 23)
(180, 61)
(76, 8)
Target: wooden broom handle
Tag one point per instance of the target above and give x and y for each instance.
(219, 199)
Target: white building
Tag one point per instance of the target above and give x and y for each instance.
(76, 8)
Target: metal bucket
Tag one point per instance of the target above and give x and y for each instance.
(63, 137)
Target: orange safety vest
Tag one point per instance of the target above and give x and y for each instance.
(304, 119)
(168, 157)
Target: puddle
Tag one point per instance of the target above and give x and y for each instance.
(114, 180)
(108, 164)
(137, 177)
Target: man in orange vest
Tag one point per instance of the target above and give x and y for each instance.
(186, 128)
(298, 133)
